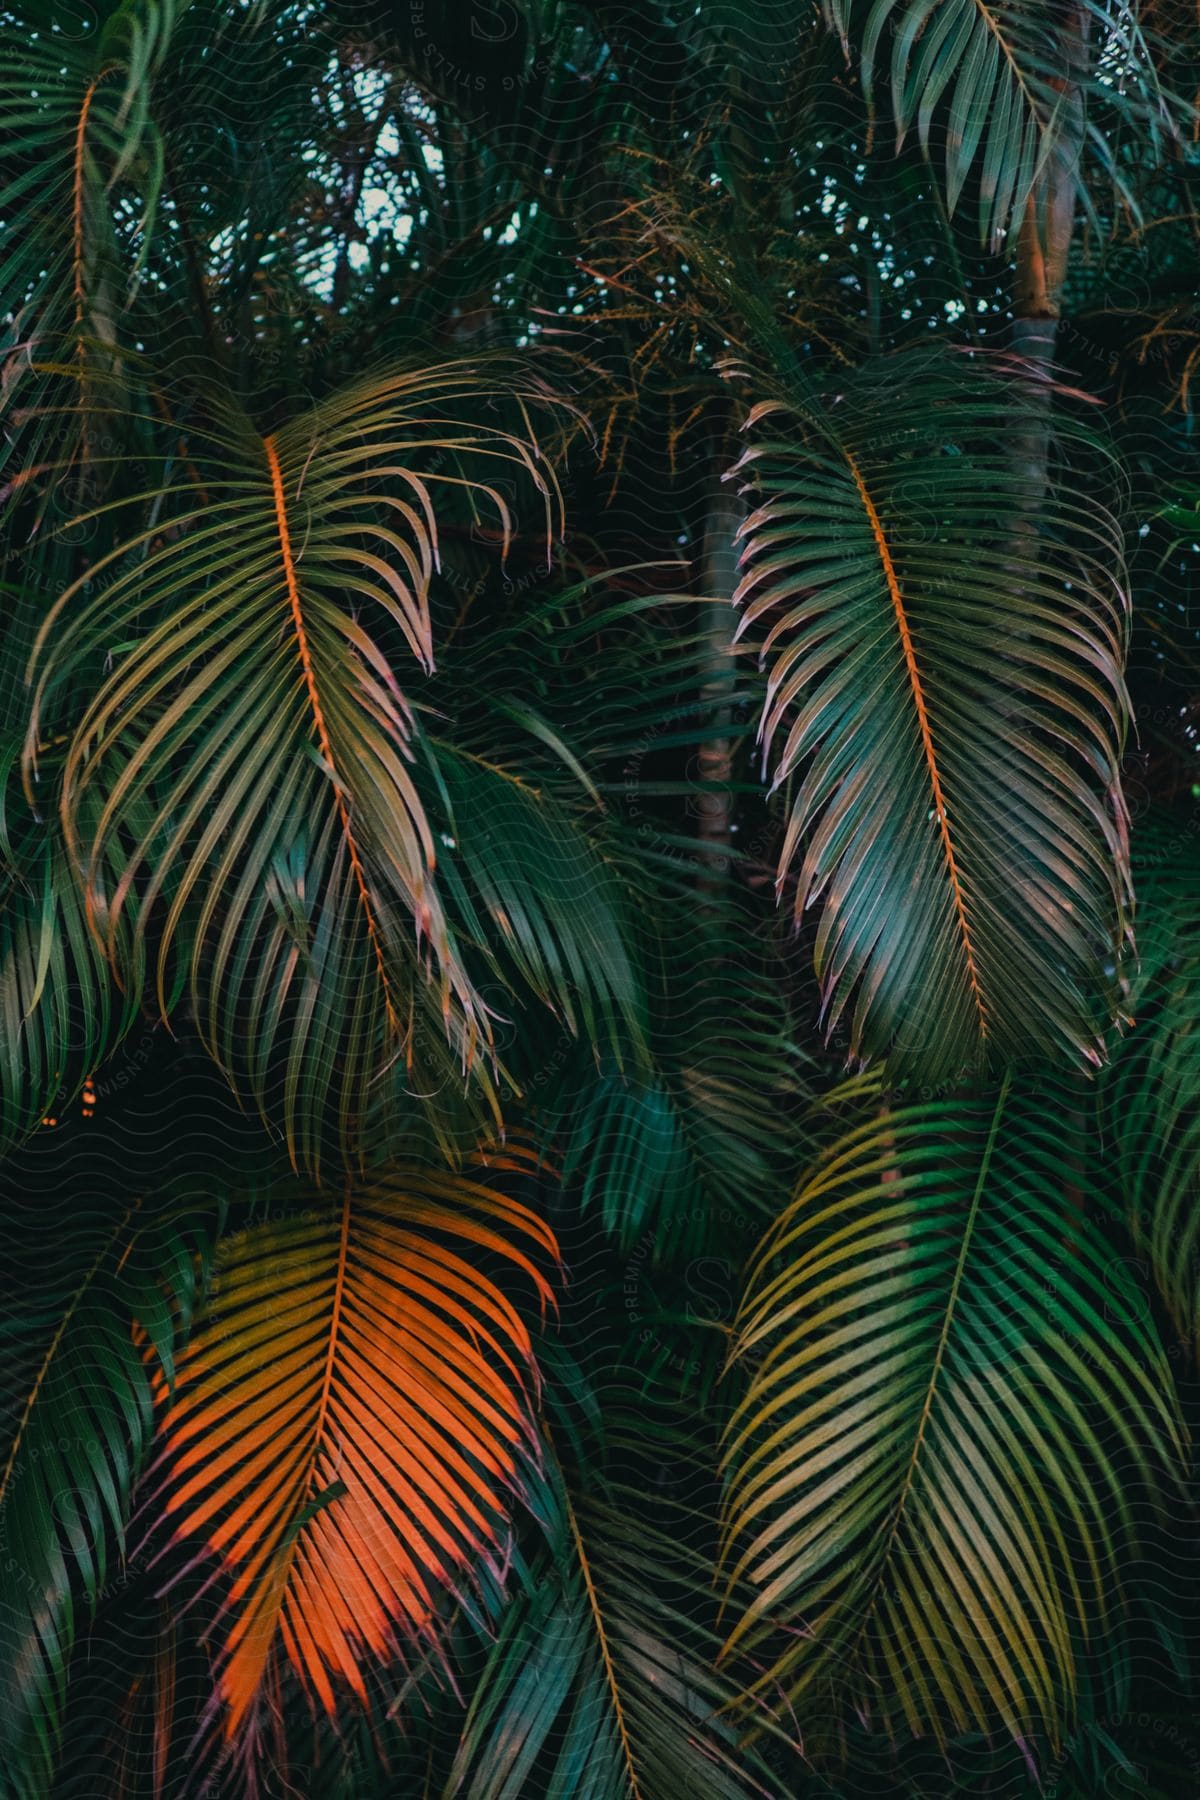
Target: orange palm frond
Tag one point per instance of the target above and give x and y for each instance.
(352, 1424)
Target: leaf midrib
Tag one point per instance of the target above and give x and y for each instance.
(56, 1340)
(318, 714)
(610, 1673)
(939, 1357)
(927, 745)
(77, 206)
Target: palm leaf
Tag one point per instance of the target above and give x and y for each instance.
(525, 881)
(77, 1399)
(995, 74)
(954, 1401)
(708, 1132)
(950, 675)
(78, 200)
(61, 1012)
(601, 1682)
(351, 1424)
(248, 753)
(701, 1122)
(1146, 1106)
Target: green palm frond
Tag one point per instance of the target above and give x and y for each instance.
(248, 753)
(995, 76)
(624, 1153)
(62, 1013)
(701, 1120)
(1146, 1106)
(76, 1390)
(601, 1681)
(525, 881)
(945, 642)
(79, 196)
(76, 116)
(708, 1130)
(954, 1407)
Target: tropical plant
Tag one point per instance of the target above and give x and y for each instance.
(598, 942)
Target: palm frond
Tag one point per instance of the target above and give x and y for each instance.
(707, 1131)
(77, 1398)
(524, 881)
(62, 1013)
(248, 753)
(946, 645)
(954, 1402)
(996, 75)
(601, 1680)
(351, 1425)
(1146, 1104)
(79, 198)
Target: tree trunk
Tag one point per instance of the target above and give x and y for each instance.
(1043, 250)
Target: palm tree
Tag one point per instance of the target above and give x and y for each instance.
(598, 918)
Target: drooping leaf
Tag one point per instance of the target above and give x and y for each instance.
(77, 1413)
(238, 790)
(945, 642)
(77, 128)
(1146, 1115)
(523, 880)
(602, 1678)
(997, 75)
(708, 1131)
(61, 1011)
(955, 1407)
(351, 1425)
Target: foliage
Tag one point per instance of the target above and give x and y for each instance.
(598, 706)
(947, 1376)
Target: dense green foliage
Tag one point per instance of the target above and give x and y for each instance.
(600, 923)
